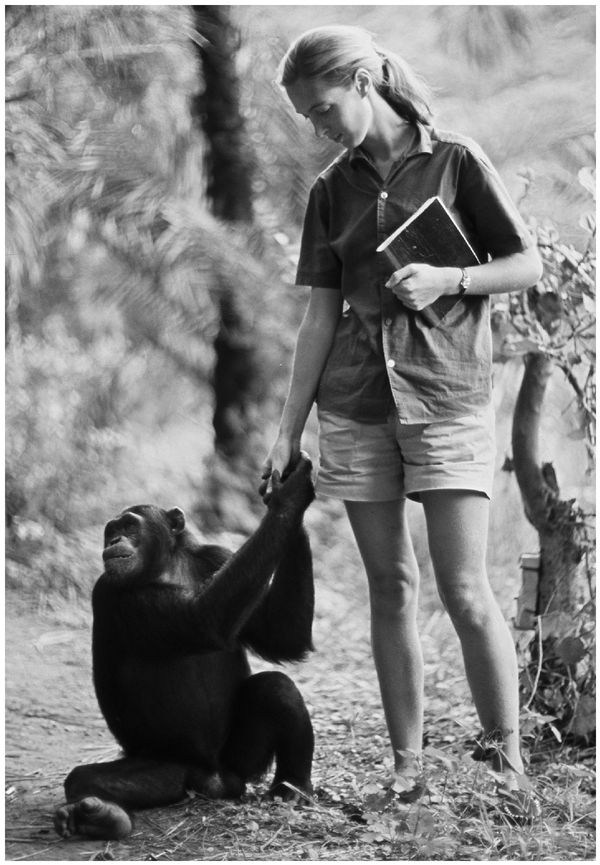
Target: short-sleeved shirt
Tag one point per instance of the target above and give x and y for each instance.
(386, 356)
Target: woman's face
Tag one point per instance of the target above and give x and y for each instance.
(341, 113)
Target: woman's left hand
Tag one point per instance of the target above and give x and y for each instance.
(418, 285)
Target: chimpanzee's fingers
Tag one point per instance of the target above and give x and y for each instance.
(302, 463)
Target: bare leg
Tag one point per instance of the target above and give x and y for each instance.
(457, 524)
(383, 539)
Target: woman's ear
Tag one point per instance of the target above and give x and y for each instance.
(362, 81)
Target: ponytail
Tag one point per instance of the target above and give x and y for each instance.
(335, 52)
(400, 85)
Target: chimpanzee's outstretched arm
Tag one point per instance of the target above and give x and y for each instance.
(280, 629)
(167, 615)
(237, 587)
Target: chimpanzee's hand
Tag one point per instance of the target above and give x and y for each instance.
(292, 493)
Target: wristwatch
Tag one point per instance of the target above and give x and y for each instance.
(465, 282)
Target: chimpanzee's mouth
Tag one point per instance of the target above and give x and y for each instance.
(108, 555)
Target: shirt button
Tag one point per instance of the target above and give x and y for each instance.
(383, 195)
(391, 363)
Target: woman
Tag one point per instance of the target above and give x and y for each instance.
(404, 407)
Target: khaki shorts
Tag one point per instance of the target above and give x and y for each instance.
(380, 462)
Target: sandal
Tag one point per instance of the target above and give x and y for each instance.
(519, 807)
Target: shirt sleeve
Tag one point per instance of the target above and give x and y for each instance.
(484, 200)
(318, 265)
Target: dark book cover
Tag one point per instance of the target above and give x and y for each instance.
(430, 236)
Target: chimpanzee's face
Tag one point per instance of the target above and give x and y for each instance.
(139, 542)
(123, 547)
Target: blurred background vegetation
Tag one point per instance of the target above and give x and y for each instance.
(156, 180)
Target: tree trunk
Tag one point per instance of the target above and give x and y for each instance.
(218, 110)
(218, 113)
(558, 522)
(557, 679)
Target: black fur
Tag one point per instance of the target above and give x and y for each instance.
(172, 620)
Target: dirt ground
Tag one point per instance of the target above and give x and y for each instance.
(52, 723)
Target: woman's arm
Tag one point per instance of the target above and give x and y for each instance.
(313, 345)
(418, 285)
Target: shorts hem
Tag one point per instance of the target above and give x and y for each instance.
(415, 495)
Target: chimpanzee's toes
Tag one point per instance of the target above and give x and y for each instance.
(93, 817)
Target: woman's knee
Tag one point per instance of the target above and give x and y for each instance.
(471, 606)
(393, 592)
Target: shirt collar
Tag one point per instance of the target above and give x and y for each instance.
(421, 144)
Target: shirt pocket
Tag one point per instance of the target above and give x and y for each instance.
(453, 312)
(443, 312)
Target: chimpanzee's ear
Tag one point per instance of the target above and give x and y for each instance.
(176, 518)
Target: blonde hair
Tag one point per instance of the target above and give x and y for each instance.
(335, 52)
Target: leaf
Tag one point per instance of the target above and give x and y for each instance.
(50, 639)
(373, 838)
(588, 222)
(426, 825)
(402, 784)
(584, 719)
(557, 624)
(589, 304)
(441, 757)
(555, 732)
(571, 649)
(516, 345)
(378, 802)
(586, 177)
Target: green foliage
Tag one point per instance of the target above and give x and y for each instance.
(460, 815)
(61, 403)
(557, 318)
(90, 91)
(288, 156)
(355, 813)
(558, 677)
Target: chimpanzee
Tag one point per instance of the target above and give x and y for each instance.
(172, 619)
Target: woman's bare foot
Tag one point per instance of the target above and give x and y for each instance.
(92, 817)
(517, 801)
(407, 781)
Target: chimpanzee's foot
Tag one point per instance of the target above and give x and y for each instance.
(92, 817)
(290, 791)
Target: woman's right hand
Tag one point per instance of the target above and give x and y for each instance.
(313, 345)
(282, 455)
